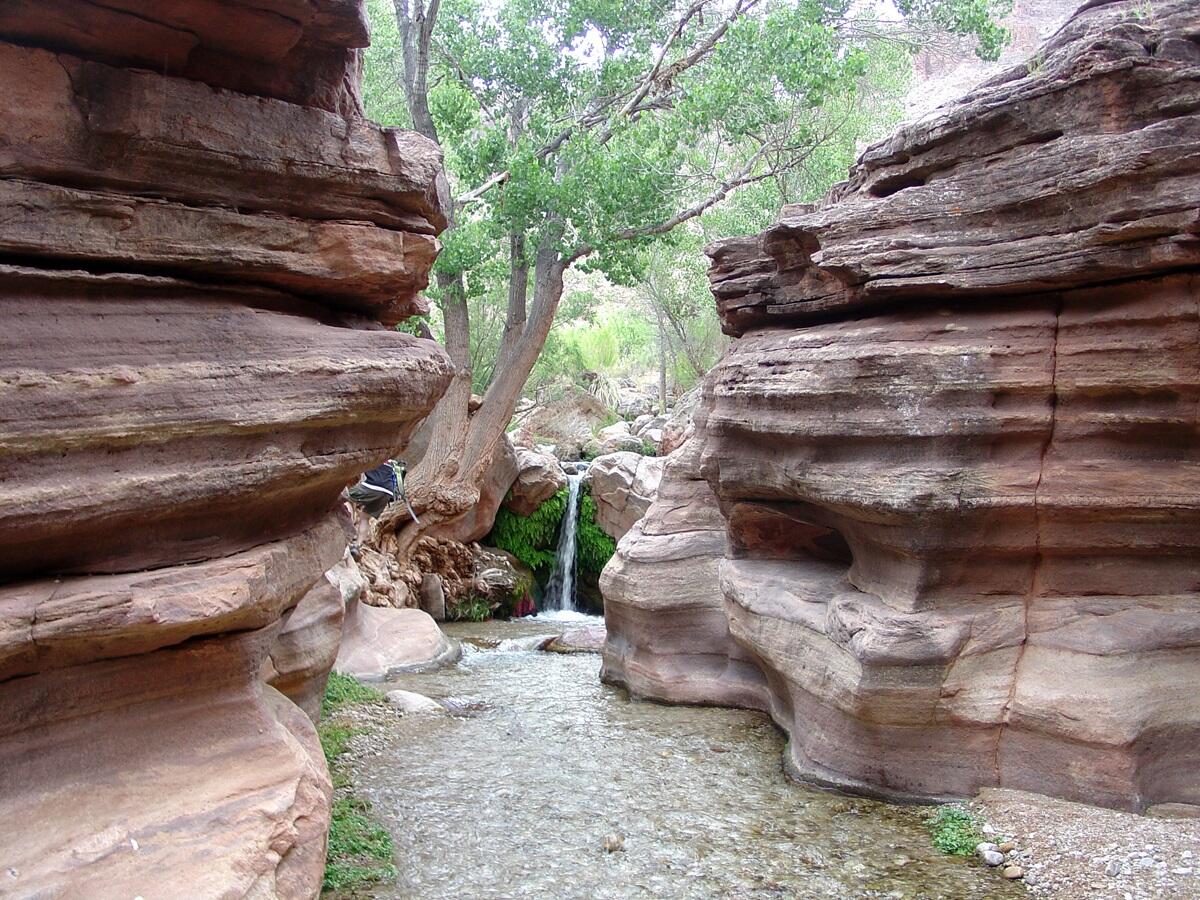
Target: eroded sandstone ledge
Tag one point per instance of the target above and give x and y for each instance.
(955, 446)
(202, 248)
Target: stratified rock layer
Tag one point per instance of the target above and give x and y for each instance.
(203, 242)
(956, 448)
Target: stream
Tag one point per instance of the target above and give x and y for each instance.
(516, 796)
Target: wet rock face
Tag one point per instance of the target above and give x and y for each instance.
(955, 447)
(204, 248)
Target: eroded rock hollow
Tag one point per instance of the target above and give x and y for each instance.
(203, 242)
(942, 513)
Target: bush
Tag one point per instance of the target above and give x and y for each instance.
(954, 830)
(471, 608)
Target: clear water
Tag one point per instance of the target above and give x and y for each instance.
(517, 799)
(560, 589)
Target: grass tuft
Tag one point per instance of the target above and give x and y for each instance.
(954, 830)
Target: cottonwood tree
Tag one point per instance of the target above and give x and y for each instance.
(579, 132)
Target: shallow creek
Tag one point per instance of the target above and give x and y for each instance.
(516, 797)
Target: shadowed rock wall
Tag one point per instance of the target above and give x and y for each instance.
(201, 246)
(955, 442)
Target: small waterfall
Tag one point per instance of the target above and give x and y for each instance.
(560, 590)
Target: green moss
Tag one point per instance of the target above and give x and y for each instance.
(360, 849)
(954, 830)
(532, 539)
(595, 548)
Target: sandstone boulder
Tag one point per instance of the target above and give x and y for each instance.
(379, 642)
(954, 446)
(302, 654)
(539, 477)
(623, 487)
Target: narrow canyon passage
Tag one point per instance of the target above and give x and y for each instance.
(517, 797)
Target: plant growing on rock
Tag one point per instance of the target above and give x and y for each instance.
(533, 539)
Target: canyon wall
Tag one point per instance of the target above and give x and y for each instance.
(202, 246)
(955, 447)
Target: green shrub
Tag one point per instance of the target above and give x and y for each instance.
(954, 830)
(472, 608)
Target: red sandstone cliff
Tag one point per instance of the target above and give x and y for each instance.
(201, 238)
(956, 450)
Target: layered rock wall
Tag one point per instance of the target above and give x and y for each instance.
(955, 443)
(202, 244)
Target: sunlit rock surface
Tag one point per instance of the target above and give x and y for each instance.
(203, 245)
(955, 445)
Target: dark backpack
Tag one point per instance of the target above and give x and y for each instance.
(383, 476)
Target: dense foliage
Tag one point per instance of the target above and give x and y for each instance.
(624, 136)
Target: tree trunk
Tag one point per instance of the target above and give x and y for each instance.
(662, 361)
(449, 486)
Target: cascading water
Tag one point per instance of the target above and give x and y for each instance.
(560, 590)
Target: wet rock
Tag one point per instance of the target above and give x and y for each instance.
(992, 857)
(463, 708)
(589, 639)
(503, 580)
(410, 702)
(1013, 872)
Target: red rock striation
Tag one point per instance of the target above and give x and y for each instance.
(203, 242)
(955, 443)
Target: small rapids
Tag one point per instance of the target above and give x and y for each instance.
(518, 798)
